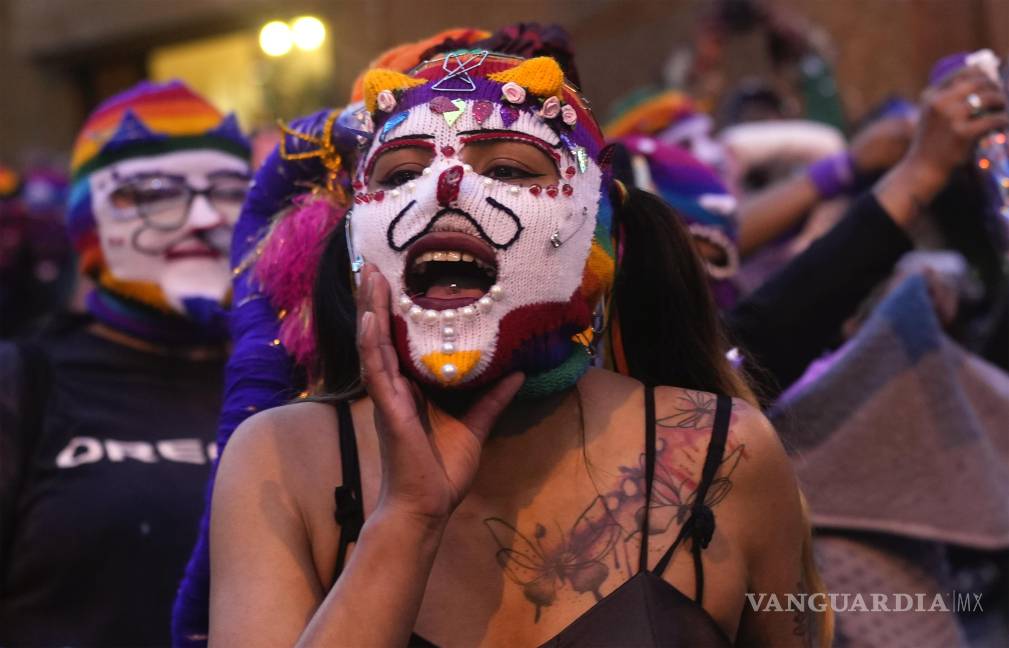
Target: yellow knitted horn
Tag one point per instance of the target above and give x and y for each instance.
(375, 81)
(541, 76)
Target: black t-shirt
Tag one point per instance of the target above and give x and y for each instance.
(109, 507)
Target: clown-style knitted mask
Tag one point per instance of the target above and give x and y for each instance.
(488, 275)
(158, 178)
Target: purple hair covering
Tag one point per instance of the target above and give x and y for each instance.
(260, 374)
(946, 66)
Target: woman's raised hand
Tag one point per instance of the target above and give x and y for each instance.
(947, 131)
(949, 126)
(429, 458)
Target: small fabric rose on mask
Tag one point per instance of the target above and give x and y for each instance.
(386, 101)
(513, 92)
(569, 116)
(551, 108)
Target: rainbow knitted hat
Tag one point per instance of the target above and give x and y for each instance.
(148, 119)
(646, 113)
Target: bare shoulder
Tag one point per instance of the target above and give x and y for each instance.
(289, 442)
(755, 475)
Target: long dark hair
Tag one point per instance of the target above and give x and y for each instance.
(335, 321)
(665, 315)
(668, 324)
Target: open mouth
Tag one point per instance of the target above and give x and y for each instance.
(449, 270)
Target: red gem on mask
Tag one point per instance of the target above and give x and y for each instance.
(447, 151)
(482, 110)
(552, 191)
(448, 185)
(567, 189)
(379, 195)
(569, 172)
(441, 104)
(535, 189)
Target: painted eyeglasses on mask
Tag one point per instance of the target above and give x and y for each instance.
(164, 201)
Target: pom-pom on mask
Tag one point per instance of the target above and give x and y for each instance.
(479, 199)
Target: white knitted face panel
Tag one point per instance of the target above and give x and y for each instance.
(531, 270)
(135, 251)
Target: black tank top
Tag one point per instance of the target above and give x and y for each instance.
(646, 610)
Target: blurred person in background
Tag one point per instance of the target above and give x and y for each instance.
(107, 423)
(697, 196)
(931, 195)
(899, 436)
(36, 259)
(901, 407)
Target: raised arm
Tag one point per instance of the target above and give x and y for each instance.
(796, 315)
(782, 206)
(945, 138)
(265, 589)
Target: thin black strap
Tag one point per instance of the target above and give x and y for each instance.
(700, 526)
(349, 513)
(649, 471)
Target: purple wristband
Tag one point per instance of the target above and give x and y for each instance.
(832, 175)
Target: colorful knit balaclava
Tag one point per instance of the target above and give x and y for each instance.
(158, 179)
(536, 260)
(698, 195)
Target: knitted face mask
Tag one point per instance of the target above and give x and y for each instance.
(166, 221)
(157, 178)
(482, 215)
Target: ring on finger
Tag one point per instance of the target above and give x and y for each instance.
(975, 103)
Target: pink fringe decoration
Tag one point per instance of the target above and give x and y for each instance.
(287, 267)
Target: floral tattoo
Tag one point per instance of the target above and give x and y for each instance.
(581, 559)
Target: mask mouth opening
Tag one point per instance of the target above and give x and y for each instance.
(449, 270)
(717, 251)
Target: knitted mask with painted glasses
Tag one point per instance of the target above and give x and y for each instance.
(159, 176)
(480, 200)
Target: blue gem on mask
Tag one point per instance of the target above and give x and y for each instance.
(392, 123)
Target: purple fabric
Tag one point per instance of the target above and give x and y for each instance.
(833, 175)
(946, 66)
(259, 374)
